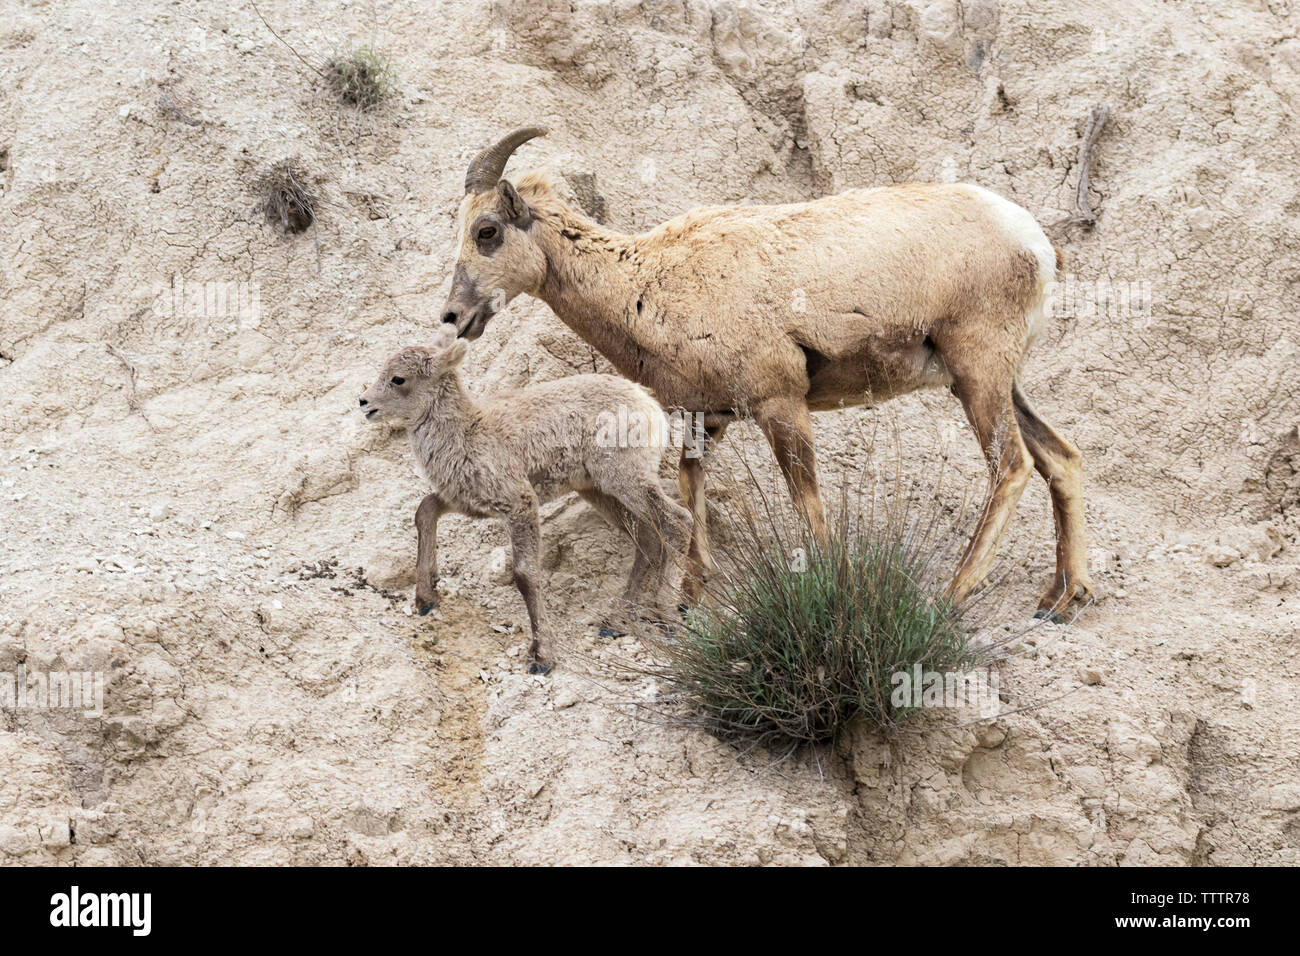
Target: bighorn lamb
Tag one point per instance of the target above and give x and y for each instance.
(784, 310)
(502, 456)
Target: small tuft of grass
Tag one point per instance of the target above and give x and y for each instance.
(361, 77)
(287, 196)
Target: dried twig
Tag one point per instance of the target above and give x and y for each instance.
(132, 401)
(1092, 132)
(168, 106)
(282, 40)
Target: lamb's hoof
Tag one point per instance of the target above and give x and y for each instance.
(1047, 614)
(683, 610)
(537, 667)
(608, 631)
(426, 608)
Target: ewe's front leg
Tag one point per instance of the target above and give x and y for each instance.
(788, 428)
(426, 559)
(526, 546)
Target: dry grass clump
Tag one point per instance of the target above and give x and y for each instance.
(287, 196)
(799, 639)
(361, 77)
(792, 640)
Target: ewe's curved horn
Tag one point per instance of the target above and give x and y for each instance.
(486, 169)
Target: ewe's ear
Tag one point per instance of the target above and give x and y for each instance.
(513, 206)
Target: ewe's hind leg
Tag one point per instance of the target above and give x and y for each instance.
(526, 547)
(1060, 464)
(426, 553)
(986, 397)
(690, 478)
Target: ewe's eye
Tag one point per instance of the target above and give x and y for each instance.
(398, 380)
(487, 233)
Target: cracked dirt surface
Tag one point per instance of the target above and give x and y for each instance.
(189, 506)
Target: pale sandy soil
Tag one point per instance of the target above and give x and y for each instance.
(172, 478)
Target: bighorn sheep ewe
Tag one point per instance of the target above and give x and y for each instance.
(782, 310)
(501, 457)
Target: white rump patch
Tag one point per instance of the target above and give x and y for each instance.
(1022, 230)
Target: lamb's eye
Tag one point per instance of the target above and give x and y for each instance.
(487, 233)
(398, 380)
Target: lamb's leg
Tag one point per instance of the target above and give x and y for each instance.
(787, 425)
(690, 478)
(647, 556)
(665, 525)
(525, 531)
(426, 561)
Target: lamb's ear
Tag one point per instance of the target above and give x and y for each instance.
(430, 363)
(513, 207)
(456, 353)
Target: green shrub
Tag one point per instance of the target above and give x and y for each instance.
(793, 640)
(362, 77)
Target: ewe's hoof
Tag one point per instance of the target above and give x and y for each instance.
(536, 667)
(608, 631)
(683, 609)
(426, 608)
(1047, 614)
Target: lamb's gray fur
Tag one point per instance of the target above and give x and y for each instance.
(502, 456)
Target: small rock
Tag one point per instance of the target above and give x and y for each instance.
(160, 512)
(1259, 542)
(15, 842)
(1284, 796)
(1273, 577)
(496, 569)
(57, 834)
(235, 535)
(565, 698)
(1089, 675)
(302, 828)
(1102, 560)
(391, 570)
(1125, 740)
(1220, 556)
